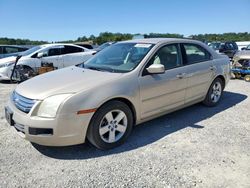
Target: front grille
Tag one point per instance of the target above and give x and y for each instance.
(22, 103)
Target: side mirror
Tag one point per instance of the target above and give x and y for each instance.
(243, 48)
(40, 55)
(156, 69)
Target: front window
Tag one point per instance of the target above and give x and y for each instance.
(121, 57)
(169, 56)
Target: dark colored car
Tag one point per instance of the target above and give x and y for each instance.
(228, 48)
(9, 50)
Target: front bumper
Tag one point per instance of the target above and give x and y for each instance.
(67, 129)
(5, 73)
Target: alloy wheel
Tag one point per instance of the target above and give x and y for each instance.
(216, 92)
(113, 126)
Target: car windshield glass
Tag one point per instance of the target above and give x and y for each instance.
(120, 57)
(31, 50)
(248, 47)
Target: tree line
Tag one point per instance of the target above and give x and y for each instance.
(108, 36)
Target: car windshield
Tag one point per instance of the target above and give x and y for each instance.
(31, 50)
(248, 47)
(215, 46)
(120, 57)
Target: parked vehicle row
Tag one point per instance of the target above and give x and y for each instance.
(241, 64)
(11, 50)
(124, 85)
(59, 55)
(228, 48)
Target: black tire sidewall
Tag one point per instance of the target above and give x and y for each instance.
(93, 130)
(208, 101)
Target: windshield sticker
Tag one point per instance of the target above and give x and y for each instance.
(142, 45)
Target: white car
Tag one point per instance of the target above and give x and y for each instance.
(59, 55)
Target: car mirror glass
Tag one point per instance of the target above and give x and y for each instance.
(156, 69)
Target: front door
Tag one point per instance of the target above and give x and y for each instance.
(53, 55)
(163, 92)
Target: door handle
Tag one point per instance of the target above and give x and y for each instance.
(181, 75)
(212, 67)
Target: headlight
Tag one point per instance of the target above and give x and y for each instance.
(7, 64)
(48, 108)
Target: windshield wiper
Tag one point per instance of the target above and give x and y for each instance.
(103, 68)
(94, 68)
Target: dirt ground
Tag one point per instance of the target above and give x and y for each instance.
(194, 147)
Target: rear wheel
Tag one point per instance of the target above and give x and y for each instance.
(110, 125)
(214, 93)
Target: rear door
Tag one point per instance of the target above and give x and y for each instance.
(74, 55)
(199, 71)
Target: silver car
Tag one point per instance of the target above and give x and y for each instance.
(241, 57)
(123, 85)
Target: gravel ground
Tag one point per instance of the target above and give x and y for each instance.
(194, 147)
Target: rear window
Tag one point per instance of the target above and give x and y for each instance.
(72, 49)
(195, 53)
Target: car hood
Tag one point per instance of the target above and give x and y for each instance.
(68, 80)
(244, 54)
(11, 59)
(7, 60)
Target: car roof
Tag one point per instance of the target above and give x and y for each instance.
(161, 40)
(60, 44)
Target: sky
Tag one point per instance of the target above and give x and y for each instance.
(57, 20)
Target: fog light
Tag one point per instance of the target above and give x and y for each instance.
(40, 131)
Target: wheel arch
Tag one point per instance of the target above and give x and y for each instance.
(222, 79)
(127, 102)
(27, 66)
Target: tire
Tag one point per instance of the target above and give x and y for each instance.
(214, 93)
(237, 76)
(24, 73)
(247, 78)
(110, 126)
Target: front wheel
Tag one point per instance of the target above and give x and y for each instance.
(214, 93)
(111, 125)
